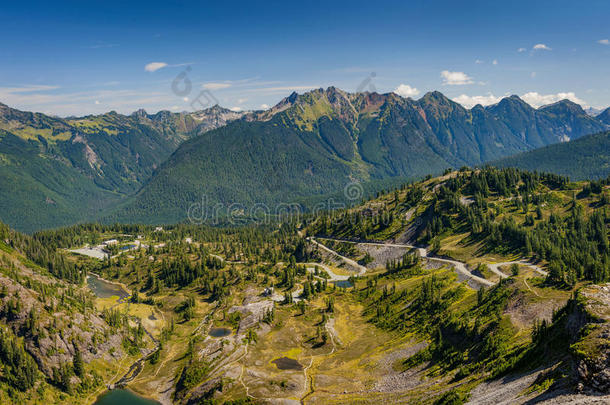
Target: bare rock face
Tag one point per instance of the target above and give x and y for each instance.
(592, 350)
(252, 313)
(594, 372)
(52, 331)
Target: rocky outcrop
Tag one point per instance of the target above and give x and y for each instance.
(592, 350)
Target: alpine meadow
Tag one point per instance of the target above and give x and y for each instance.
(321, 203)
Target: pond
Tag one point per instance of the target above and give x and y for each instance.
(123, 397)
(105, 289)
(343, 283)
(220, 332)
(127, 247)
(286, 363)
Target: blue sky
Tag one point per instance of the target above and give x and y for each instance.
(76, 58)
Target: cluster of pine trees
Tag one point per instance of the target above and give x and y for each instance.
(576, 245)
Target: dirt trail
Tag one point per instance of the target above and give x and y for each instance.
(495, 267)
(309, 379)
(353, 263)
(136, 367)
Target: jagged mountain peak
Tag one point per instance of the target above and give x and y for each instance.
(140, 113)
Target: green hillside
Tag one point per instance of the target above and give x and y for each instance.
(486, 285)
(61, 171)
(307, 148)
(584, 158)
(316, 143)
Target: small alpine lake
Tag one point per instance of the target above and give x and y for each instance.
(286, 363)
(105, 289)
(219, 332)
(123, 397)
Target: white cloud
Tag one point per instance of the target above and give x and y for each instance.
(405, 90)
(495, 62)
(265, 106)
(532, 98)
(241, 100)
(215, 86)
(533, 74)
(455, 78)
(154, 66)
(40, 98)
(471, 101)
(28, 89)
(236, 109)
(541, 47)
(536, 99)
(97, 102)
(521, 50)
(478, 61)
(604, 41)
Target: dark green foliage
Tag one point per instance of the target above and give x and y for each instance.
(43, 255)
(584, 158)
(51, 181)
(19, 368)
(452, 397)
(77, 363)
(192, 374)
(299, 155)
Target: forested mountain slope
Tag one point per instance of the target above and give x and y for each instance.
(55, 347)
(316, 143)
(584, 158)
(58, 171)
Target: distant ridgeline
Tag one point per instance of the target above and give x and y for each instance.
(121, 168)
(584, 158)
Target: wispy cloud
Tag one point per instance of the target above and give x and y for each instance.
(604, 41)
(42, 98)
(27, 88)
(521, 50)
(215, 86)
(154, 66)
(455, 78)
(541, 47)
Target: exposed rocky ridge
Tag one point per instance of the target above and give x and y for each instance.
(592, 349)
(54, 318)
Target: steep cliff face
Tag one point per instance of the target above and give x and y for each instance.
(591, 352)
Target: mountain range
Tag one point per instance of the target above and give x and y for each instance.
(153, 167)
(316, 143)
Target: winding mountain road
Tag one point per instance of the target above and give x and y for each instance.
(460, 267)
